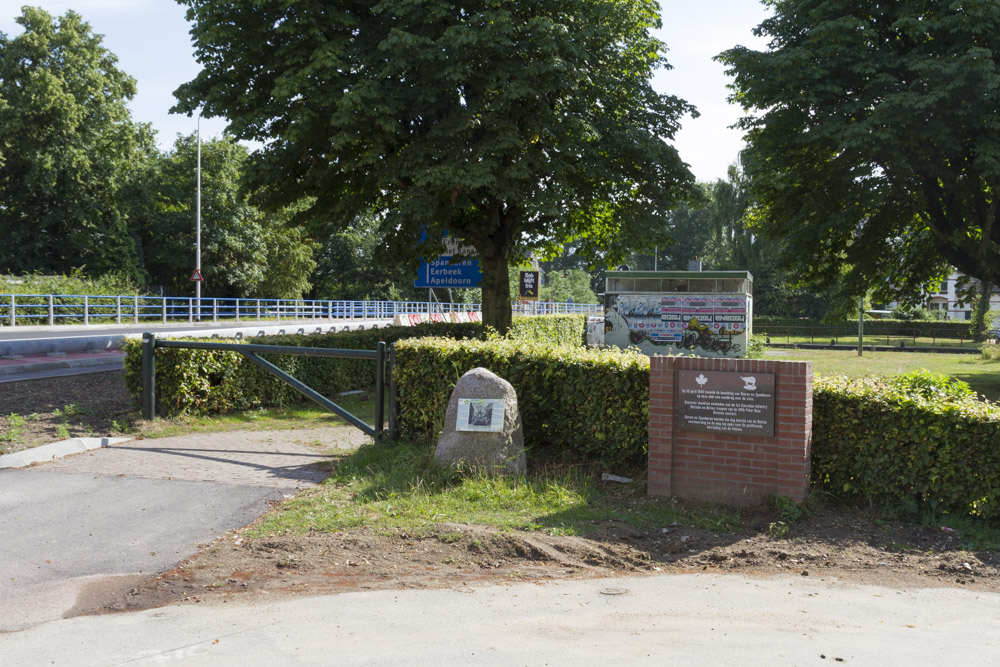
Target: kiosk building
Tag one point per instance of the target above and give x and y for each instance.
(702, 313)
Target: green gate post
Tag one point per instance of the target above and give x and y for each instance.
(393, 396)
(380, 388)
(148, 376)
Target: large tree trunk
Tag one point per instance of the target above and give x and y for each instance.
(496, 290)
(979, 323)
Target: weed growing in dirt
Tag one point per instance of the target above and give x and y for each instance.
(777, 530)
(398, 487)
(788, 510)
(14, 433)
(72, 410)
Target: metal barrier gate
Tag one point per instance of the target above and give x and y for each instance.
(251, 352)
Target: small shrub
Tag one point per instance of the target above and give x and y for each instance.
(990, 351)
(756, 347)
(931, 385)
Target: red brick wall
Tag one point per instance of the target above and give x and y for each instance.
(724, 467)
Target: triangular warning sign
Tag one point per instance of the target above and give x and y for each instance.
(196, 276)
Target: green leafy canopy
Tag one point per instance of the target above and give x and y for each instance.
(874, 139)
(515, 126)
(69, 151)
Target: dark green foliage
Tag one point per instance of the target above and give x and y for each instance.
(920, 441)
(872, 139)
(575, 403)
(70, 155)
(348, 265)
(245, 252)
(515, 126)
(209, 382)
(76, 285)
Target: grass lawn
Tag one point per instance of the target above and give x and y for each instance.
(300, 415)
(390, 487)
(981, 374)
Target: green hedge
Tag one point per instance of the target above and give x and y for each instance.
(925, 328)
(575, 402)
(207, 382)
(918, 440)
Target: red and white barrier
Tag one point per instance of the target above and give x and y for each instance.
(413, 319)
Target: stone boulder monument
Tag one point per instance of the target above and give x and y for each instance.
(482, 426)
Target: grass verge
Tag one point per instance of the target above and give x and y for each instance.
(397, 486)
(303, 415)
(983, 375)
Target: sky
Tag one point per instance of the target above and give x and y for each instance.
(151, 40)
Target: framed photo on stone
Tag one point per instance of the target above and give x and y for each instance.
(480, 414)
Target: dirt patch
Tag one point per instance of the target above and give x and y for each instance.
(851, 546)
(53, 409)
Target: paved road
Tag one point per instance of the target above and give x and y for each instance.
(650, 620)
(74, 529)
(71, 331)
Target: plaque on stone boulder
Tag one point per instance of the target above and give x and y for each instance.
(482, 426)
(480, 414)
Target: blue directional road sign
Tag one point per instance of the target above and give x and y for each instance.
(442, 273)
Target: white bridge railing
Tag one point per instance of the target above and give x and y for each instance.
(57, 309)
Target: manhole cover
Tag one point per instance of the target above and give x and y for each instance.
(614, 591)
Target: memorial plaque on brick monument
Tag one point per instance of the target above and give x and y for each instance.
(722, 402)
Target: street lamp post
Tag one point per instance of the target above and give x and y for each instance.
(197, 243)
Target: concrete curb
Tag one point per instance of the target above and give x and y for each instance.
(56, 450)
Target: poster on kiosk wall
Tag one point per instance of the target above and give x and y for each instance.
(714, 321)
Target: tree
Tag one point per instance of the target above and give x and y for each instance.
(873, 145)
(566, 285)
(351, 266)
(245, 252)
(69, 151)
(717, 228)
(513, 126)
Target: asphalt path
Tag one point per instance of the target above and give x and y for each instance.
(76, 331)
(75, 530)
(65, 535)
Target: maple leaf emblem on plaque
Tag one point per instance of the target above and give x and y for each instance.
(701, 380)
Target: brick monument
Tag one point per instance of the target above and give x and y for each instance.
(729, 430)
